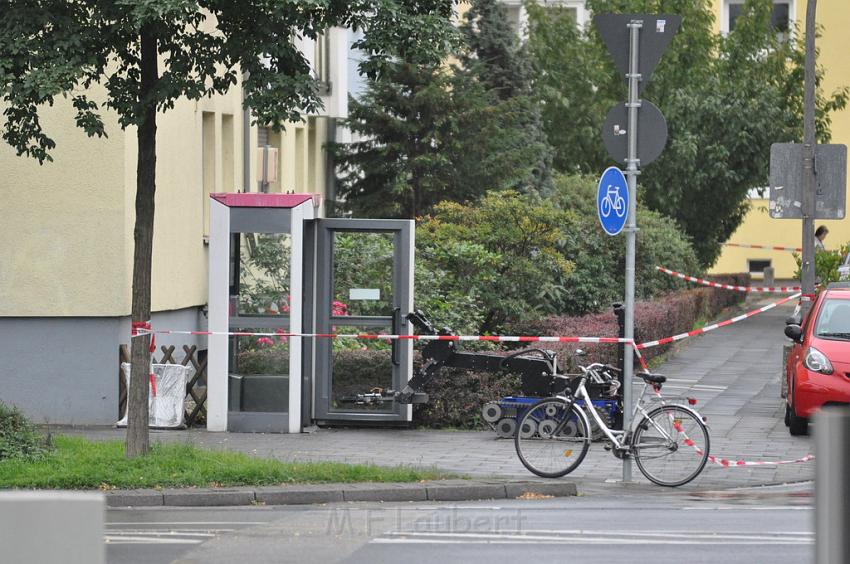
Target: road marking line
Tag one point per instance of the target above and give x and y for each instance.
(121, 539)
(164, 523)
(600, 541)
(750, 508)
(187, 532)
(608, 535)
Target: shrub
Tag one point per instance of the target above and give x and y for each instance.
(597, 279)
(654, 319)
(455, 397)
(826, 265)
(501, 255)
(19, 437)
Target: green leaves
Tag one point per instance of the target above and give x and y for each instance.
(430, 133)
(503, 253)
(53, 47)
(725, 99)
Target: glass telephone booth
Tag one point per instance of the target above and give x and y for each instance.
(276, 269)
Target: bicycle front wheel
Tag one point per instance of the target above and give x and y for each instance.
(552, 438)
(670, 445)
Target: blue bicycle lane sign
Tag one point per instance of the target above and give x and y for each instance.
(612, 200)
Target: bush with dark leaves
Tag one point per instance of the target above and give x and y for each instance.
(19, 437)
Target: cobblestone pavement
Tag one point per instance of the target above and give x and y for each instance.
(734, 372)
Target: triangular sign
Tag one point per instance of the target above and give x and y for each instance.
(655, 36)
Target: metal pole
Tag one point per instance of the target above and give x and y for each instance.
(631, 232)
(832, 490)
(809, 144)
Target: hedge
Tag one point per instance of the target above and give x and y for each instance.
(654, 319)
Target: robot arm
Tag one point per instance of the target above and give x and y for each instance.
(538, 373)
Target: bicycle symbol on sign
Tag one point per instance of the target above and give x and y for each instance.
(612, 201)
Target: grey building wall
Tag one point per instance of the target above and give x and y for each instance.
(64, 370)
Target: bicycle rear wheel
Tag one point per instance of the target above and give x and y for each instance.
(670, 445)
(552, 438)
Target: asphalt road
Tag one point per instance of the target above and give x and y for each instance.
(649, 525)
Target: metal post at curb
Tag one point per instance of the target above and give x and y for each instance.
(809, 146)
(631, 231)
(832, 489)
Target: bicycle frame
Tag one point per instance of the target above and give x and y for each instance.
(619, 438)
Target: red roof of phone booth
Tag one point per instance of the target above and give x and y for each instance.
(260, 200)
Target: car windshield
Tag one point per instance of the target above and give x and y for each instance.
(834, 319)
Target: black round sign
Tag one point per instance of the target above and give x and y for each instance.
(652, 132)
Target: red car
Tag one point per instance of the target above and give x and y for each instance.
(817, 370)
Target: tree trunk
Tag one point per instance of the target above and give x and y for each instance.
(137, 401)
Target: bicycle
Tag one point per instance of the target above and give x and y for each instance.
(614, 200)
(554, 434)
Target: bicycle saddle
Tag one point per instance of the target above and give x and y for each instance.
(652, 378)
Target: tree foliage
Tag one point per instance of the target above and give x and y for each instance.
(495, 57)
(597, 280)
(725, 99)
(149, 53)
(503, 253)
(428, 133)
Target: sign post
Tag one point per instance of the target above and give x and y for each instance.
(631, 232)
(807, 267)
(636, 54)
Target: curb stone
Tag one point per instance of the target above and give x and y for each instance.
(443, 490)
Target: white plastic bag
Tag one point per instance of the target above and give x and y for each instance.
(165, 400)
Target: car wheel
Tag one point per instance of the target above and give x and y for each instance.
(787, 415)
(797, 426)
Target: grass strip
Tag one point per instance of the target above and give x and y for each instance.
(78, 463)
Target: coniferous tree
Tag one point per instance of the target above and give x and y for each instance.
(496, 57)
(428, 133)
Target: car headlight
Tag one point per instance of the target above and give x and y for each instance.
(816, 361)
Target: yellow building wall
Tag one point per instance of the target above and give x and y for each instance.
(63, 223)
(758, 227)
(179, 265)
(70, 222)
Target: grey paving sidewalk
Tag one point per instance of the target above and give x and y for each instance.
(734, 372)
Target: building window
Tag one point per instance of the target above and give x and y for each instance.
(322, 62)
(757, 266)
(781, 19)
(268, 159)
(518, 17)
(208, 165)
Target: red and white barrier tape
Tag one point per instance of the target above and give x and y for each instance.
(773, 289)
(387, 337)
(138, 328)
(768, 247)
(713, 326)
(725, 462)
(144, 330)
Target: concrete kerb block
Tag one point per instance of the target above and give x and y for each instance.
(134, 498)
(208, 498)
(385, 492)
(299, 495)
(556, 489)
(466, 491)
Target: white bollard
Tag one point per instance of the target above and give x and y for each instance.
(832, 489)
(52, 527)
